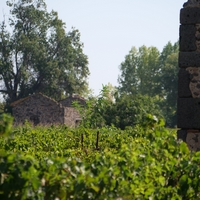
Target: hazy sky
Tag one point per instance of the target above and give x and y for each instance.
(109, 28)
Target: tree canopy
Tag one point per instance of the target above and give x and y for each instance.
(140, 71)
(147, 71)
(38, 55)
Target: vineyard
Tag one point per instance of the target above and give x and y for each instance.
(59, 163)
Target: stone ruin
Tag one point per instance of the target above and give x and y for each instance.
(188, 105)
(42, 110)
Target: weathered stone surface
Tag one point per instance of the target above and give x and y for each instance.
(183, 83)
(193, 140)
(188, 113)
(190, 15)
(71, 117)
(192, 3)
(188, 38)
(42, 110)
(191, 137)
(197, 35)
(182, 134)
(188, 103)
(189, 59)
(194, 84)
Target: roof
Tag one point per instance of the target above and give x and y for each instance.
(15, 103)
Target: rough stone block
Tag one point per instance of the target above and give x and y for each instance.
(193, 140)
(188, 113)
(189, 59)
(194, 84)
(182, 135)
(190, 15)
(183, 83)
(187, 38)
(197, 34)
(191, 3)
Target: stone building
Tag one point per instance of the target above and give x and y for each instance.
(42, 110)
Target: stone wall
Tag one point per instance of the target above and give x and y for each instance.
(188, 110)
(38, 109)
(71, 117)
(42, 110)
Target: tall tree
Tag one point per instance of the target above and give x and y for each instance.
(140, 72)
(147, 71)
(38, 55)
(169, 81)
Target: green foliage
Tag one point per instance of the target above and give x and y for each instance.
(130, 110)
(146, 71)
(144, 162)
(93, 114)
(38, 55)
(169, 82)
(5, 124)
(112, 109)
(140, 72)
(2, 106)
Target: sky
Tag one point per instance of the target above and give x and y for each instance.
(110, 28)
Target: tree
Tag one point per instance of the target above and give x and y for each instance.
(169, 81)
(131, 110)
(38, 55)
(94, 111)
(140, 72)
(120, 110)
(2, 105)
(146, 71)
